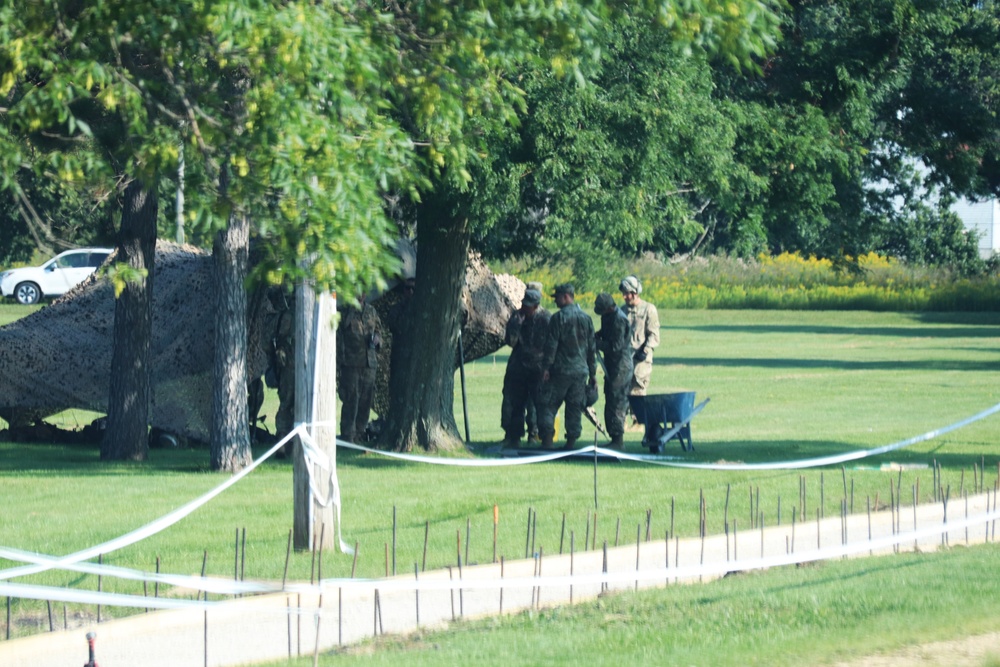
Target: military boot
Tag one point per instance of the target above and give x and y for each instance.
(547, 442)
(511, 442)
(617, 442)
(570, 443)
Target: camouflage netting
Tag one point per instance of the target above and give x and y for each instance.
(59, 357)
(489, 299)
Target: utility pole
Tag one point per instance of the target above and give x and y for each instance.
(315, 401)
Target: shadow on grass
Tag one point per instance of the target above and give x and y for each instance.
(801, 450)
(990, 329)
(836, 579)
(36, 458)
(881, 365)
(39, 459)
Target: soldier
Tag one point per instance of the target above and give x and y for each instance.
(614, 340)
(282, 375)
(525, 334)
(569, 367)
(645, 324)
(531, 408)
(358, 340)
(399, 321)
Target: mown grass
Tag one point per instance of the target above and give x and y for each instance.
(783, 385)
(10, 311)
(820, 614)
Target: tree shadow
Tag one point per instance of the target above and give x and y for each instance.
(836, 364)
(792, 451)
(989, 329)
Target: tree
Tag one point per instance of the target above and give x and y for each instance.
(458, 66)
(125, 436)
(857, 93)
(36, 215)
(626, 163)
(106, 93)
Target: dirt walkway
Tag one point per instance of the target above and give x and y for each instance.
(975, 651)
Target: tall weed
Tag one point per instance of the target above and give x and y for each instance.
(787, 281)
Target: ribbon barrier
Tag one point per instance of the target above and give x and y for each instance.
(149, 529)
(37, 563)
(687, 572)
(673, 462)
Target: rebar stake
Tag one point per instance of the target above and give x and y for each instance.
(91, 636)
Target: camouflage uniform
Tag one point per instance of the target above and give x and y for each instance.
(283, 363)
(644, 321)
(521, 381)
(614, 341)
(358, 339)
(570, 359)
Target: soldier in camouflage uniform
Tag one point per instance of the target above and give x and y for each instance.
(614, 341)
(525, 333)
(645, 323)
(358, 339)
(569, 363)
(531, 408)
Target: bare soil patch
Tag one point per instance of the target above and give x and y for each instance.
(974, 651)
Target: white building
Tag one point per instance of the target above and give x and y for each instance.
(983, 218)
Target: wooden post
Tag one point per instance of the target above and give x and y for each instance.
(315, 400)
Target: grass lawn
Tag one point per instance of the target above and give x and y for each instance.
(10, 311)
(783, 385)
(820, 614)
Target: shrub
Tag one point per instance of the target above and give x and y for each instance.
(786, 281)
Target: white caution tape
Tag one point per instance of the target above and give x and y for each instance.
(317, 458)
(670, 461)
(688, 572)
(30, 592)
(149, 529)
(44, 563)
(207, 584)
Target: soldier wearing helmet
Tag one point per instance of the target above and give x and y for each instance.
(644, 321)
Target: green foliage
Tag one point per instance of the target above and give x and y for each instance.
(248, 89)
(812, 154)
(787, 281)
(120, 274)
(43, 219)
(856, 94)
(625, 162)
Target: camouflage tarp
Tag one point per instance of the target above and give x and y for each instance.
(59, 357)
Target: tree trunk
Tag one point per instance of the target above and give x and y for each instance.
(421, 390)
(230, 446)
(130, 392)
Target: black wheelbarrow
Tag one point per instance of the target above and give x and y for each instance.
(666, 416)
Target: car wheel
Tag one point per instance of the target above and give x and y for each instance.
(27, 293)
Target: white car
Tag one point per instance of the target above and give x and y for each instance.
(53, 278)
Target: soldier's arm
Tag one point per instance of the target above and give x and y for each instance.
(377, 329)
(551, 343)
(621, 342)
(512, 334)
(591, 350)
(652, 330)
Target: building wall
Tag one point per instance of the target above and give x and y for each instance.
(983, 218)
